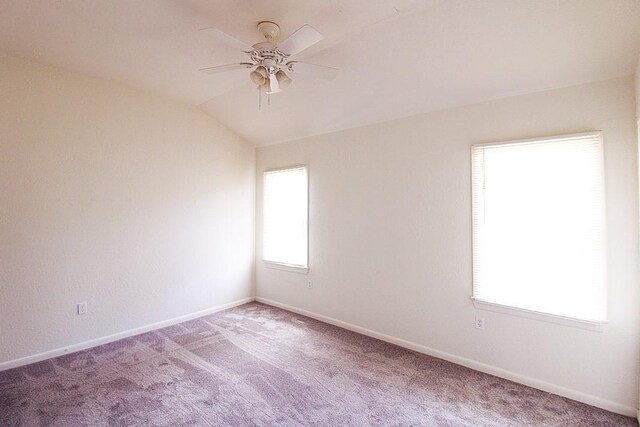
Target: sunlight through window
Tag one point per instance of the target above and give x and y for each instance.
(538, 226)
(285, 216)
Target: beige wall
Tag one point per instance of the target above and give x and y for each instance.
(139, 206)
(637, 79)
(390, 239)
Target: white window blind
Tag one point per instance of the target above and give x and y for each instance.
(538, 226)
(285, 218)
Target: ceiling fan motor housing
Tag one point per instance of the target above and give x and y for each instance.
(267, 54)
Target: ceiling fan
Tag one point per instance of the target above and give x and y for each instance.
(271, 61)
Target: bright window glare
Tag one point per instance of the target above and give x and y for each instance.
(538, 225)
(285, 216)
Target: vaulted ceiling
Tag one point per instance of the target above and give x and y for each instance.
(397, 57)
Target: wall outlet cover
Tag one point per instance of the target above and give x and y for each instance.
(82, 308)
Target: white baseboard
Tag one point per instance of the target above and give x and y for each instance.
(115, 337)
(469, 363)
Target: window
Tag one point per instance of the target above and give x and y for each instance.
(538, 226)
(285, 216)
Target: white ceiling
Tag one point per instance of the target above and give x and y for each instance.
(397, 57)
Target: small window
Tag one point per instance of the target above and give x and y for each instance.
(538, 226)
(285, 216)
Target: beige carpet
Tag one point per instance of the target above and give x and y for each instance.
(256, 365)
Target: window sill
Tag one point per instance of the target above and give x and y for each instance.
(286, 267)
(535, 315)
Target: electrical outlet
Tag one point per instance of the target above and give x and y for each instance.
(82, 308)
(480, 323)
(309, 283)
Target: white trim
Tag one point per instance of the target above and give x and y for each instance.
(590, 325)
(115, 337)
(286, 168)
(469, 363)
(286, 267)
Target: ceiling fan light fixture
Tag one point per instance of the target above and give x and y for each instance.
(283, 79)
(265, 87)
(259, 75)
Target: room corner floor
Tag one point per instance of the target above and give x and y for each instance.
(259, 365)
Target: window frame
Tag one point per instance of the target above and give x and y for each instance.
(292, 268)
(480, 304)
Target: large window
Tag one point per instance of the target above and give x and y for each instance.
(538, 226)
(285, 216)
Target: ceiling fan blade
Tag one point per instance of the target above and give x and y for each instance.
(303, 38)
(274, 86)
(312, 70)
(227, 67)
(228, 40)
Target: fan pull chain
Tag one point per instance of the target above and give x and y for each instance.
(259, 99)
